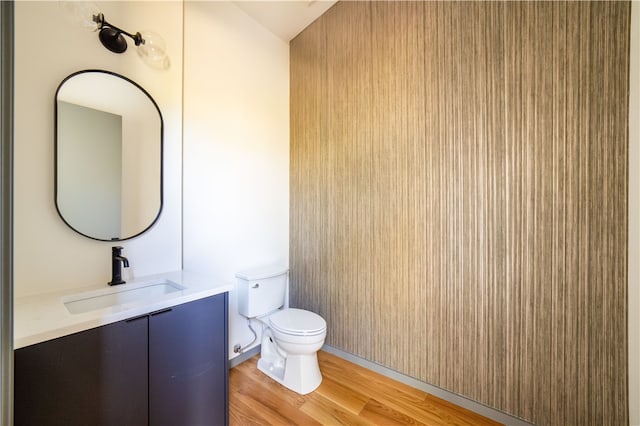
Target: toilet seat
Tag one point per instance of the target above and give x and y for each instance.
(297, 322)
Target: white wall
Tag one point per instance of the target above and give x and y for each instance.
(48, 255)
(236, 147)
(634, 219)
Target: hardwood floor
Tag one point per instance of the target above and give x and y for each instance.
(349, 395)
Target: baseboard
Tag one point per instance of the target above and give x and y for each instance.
(459, 400)
(244, 356)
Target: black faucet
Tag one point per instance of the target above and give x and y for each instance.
(117, 262)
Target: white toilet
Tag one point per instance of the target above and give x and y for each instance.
(291, 337)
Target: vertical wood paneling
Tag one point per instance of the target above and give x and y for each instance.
(398, 181)
(496, 174)
(349, 79)
(557, 397)
(433, 314)
(314, 180)
(458, 197)
(574, 272)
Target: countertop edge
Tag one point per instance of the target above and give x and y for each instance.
(44, 317)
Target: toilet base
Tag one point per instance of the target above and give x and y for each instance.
(300, 373)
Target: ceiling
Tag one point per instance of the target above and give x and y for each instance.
(286, 19)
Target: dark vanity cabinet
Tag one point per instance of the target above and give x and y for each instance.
(188, 387)
(165, 368)
(95, 377)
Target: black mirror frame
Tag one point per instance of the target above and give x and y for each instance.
(55, 153)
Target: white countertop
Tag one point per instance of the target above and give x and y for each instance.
(45, 316)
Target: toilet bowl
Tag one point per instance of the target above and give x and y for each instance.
(290, 343)
(291, 337)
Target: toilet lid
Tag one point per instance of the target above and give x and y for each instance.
(297, 321)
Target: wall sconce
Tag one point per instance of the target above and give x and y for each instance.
(150, 46)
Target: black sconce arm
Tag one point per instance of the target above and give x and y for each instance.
(111, 36)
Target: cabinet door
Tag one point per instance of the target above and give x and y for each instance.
(188, 378)
(96, 377)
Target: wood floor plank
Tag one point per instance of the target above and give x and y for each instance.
(326, 359)
(328, 413)
(275, 408)
(242, 414)
(445, 415)
(455, 410)
(267, 413)
(349, 395)
(381, 414)
(368, 383)
(342, 395)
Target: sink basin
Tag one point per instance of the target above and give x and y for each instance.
(120, 295)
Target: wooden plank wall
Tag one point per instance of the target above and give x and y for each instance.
(458, 197)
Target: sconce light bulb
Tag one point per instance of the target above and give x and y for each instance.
(82, 13)
(152, 49)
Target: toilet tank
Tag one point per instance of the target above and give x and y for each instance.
(261, 291)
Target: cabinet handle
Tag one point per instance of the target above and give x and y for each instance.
(162, 311)
(135, 318)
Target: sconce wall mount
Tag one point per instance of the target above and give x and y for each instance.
(112, 37)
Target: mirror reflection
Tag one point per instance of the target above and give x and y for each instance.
(108, 156)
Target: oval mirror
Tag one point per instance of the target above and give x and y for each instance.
(108, 165)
